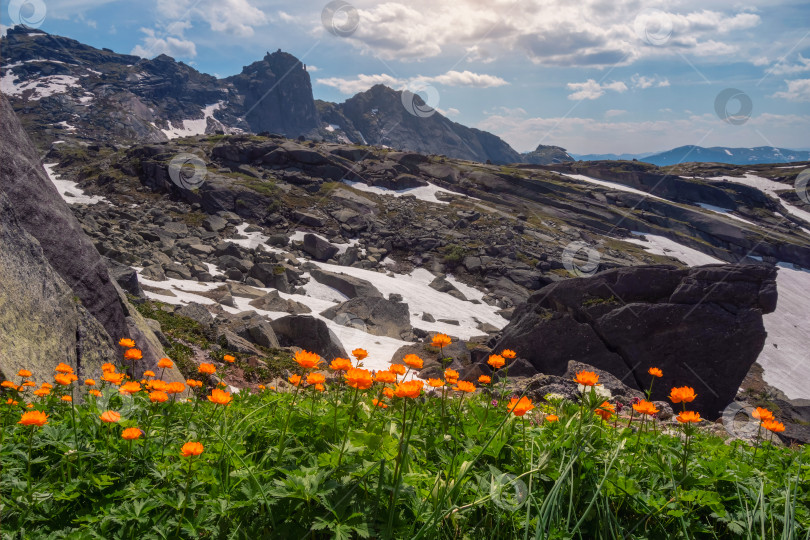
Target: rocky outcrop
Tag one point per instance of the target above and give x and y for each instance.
(352, 287)
(702, 326)
(377, 316)
(546, 155)
(308, 333)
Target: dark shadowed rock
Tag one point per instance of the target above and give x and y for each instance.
(272, 301)
(351, 286)
(375, 315)
(702, 326)
(308, 333)
(318, 248)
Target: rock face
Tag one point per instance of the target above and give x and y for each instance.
(351, 286)
(308, 333)
(377, 316)
(42, 212)
(546, 155)
(702, 326)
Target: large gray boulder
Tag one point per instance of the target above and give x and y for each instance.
(377, 316)
(309, 333)
(352, 287)
(701, 326)
(318, 248)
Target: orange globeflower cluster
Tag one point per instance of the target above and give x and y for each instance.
(385, 377)
(295, 380)
(158, 396)
(451, 376)
(605, 410)
(24, 373)
(63, 379)
(315, 378)
(687, 417)
(165, 363)
(552, 418)
(399, 369)
(220, 397)
(435, 383)
(130, 388)
(228, 358)
(68, 399)
(149, 373)
(520, 407)
(61, 367)
(586, 378)
(193, 383)
(464, 386)
(208, 369)
(496, 361)
(133, 354)
(409, 389)
(484, 379)
(378, 403)
(655, 372)
(441, 340)
(33, 418)
(131, 433)
(509, 354)
(645, 407)
(306, 359)
(126, 342)
(112, 377)
(413, 361)
(175, 387)
(683, 394)
(773, 426)
(762, 414)
(359, 378)
(110, 417)
(360, 354)
(340, 364)
(191, 449)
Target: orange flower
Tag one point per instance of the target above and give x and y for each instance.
(10, 401)
(193, 383)
(451, 376)
(688, 416)
(68, 399)
(42, 392)
(399, 369)
(131, 433)
(413, 361)
(295, 380)
(9, 384)
(441, 340)
(24, 373)
(496, 361)
(228, 358)
(358, 378)
(114, 378)
(110, 417)
(61, 367)
(46, 385)
(605, 410)
(683, 394)
(409, 389)
(762, 414)
(148, 373)
(655, 372)
(519, 407)
(508, 354)
(774, 426)
(379, 404)
(209, 369)
(320, 388)
(552, 418)
(157, 396)
(385, 377)
(133, 354)
(587, 378)
(29, 383)
(157, 385)
(464, 386)
(360, 354)
(340, 364)
(33, 418)
(107, 367)
(388, 392)
(645, 407)
(484, 379)
(130, 388)
(306, 359)
(436, 383)
(166, 363)
(94, 393)
(63, 378)
(175, 387)
(220, 397)
(261, 387)
(191, 449)
(126, 342)
(315, 378)
(89, 382)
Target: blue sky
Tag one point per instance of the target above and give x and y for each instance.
(592, 76)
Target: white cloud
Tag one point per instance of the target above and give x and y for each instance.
(643, 82)
(797, 90)
(312, 69)
(783, 68)
(449, 112)
(237, 18)
(591, 89)
(612, 113)
(451, 78)
(152, 46)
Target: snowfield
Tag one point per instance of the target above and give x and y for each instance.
(70, 192)
(188, 128)
(423, 193)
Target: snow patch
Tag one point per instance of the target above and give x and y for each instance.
(614, 185)
(38, 88)
(660, 245)
(423, 193)
(188, 128)
(725, 212)
(70, 192)
(768, 187)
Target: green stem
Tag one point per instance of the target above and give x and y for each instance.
(30, 442)
(346, 433)
(282, 441)
(185, 500)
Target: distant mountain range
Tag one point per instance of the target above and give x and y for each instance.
(715, 154)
